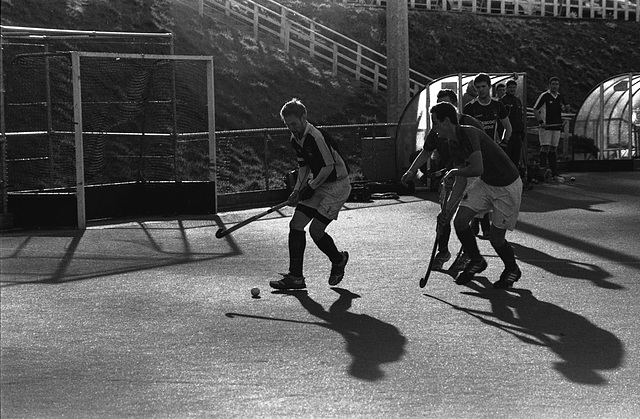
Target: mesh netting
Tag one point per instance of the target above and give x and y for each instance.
(142, 120)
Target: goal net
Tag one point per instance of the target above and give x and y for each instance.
(86, 119)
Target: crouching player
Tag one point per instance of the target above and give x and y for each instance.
(499, 189)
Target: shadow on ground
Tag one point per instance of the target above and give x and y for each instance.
(370, 342)
(584, 349)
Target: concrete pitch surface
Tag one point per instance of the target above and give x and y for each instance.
(155, 319)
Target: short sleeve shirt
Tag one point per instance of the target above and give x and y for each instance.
(499, 170)
(314, 150)
(488, 114)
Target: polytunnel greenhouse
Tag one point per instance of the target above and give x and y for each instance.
(610, 116)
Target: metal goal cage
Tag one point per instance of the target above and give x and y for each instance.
(92, 135)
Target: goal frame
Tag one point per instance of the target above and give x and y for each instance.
(76, 74)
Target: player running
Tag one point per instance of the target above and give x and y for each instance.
(499, 189)
(320, 191)
(437, 150)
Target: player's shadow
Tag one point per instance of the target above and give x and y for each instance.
(371, 342)
(584, 349)
(565, 267)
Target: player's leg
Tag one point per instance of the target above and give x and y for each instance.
(485, 224)
(505, 216)
(553, 158)
(330, 199)
(545, 142)
(297, 242)
(443, 254)
(466, 236)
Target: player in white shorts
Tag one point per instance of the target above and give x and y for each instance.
(499, 189)
(321, 189)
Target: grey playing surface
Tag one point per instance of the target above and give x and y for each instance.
(155, 319)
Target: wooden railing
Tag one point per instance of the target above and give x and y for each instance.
(581, 9)
(295, 31)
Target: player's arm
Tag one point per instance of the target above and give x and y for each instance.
(421, 159)
(508, 130)
(328, 166)
(536, 110)
(459, 186)
(303, 174)
(322, 176)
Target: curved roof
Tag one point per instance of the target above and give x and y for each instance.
(610, 115)
(415, 122)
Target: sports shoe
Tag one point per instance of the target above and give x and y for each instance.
(559, 179)
(548, 176)
(337, 270)
(289, 282)
(507, 278)
(472, 268)
(460, 263)
(441, 257)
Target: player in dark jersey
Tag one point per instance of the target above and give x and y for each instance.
(499, 190)
(490, 112)
(437, 150)
(548, 111)
(513, 105)
(321, 189)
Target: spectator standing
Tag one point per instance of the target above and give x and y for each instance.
(548, 111)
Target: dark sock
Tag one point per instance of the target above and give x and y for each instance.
(443, 241)
(328, 247)
(468, 240)
(297, 244)
(506, 254)
(544, 159)
(485, 223)
(553, 164)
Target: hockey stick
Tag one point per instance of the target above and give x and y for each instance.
(444, 197)
(443, 203)
(223, 232)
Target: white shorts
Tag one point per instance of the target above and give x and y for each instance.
(329, 198)
(549, 137)
(504, 201)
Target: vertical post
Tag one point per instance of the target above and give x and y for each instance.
(256, 21)
(312, 39)
(266, 160)
(77, 123)
(398, 73)
(601, 139)
(213, 169)
(630, 120)
(47, 84)
(3, 142)
(525, 147)
(358, 61)
(174, 127)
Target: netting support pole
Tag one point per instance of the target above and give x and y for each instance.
(213, 168)
(47, 80)
(77, 122)
(3, 142)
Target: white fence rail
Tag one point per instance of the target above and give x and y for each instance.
(581, 9)
(296, 31)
